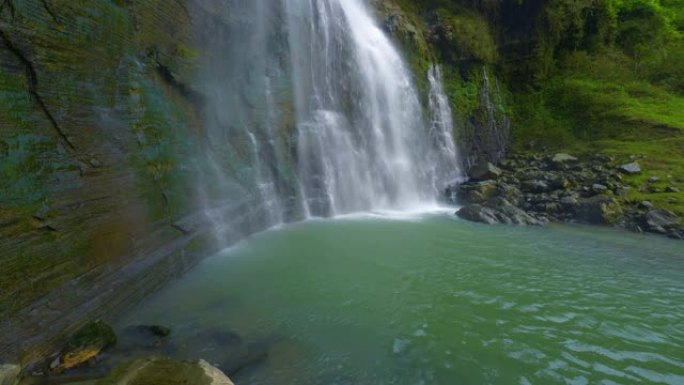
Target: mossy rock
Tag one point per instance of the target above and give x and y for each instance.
(84, 345)
(9, 374)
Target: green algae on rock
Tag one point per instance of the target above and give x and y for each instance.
(84, 345)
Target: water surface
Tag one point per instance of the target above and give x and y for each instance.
(435, 300)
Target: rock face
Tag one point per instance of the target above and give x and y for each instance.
(102, 131)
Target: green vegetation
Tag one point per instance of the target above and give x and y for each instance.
(581, 76)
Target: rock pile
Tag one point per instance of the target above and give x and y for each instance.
(533, 190)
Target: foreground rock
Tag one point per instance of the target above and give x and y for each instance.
(9, 374)
(166, 371)
(533, 190)
(83, 346)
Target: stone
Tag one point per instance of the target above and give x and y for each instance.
(671, 189)
(485, 171)
(478, 213)
(558, 181)
(645, 205)
(87, 343)
(166, 371)
(9, 374)
(509, 192)
(653, 179)
(630, 168)
(563, 158)
(569, 200)
(598, 210)
(535, 186)
(599, 188)
(661, 219)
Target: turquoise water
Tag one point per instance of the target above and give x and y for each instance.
(435, 300)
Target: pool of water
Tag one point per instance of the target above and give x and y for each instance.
(436, 300)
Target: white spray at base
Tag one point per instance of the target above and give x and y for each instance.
(312, 112)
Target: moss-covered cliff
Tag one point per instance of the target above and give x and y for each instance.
(100, 131)
(578, 76)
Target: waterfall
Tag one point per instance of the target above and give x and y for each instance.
(315, 112)
(442, 132)
(363, 143)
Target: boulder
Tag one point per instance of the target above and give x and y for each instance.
(478, 213)
(87, 343)
(653, 179)
(630, 168)
(476, 192)
(598, 210)
(558, 181)
(671, 189)
(166, 371)
(9, 374)
(660, 220)
(485, 171)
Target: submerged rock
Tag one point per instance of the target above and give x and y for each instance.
(166, 371)
(142, 337)
(87, 343)
(9, 374)
(630, 168)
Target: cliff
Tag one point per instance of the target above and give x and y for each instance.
(101, 137)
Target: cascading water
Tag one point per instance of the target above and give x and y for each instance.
(316, 114)
(442, 132)
(363, 144)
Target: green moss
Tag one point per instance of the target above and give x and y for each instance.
(96, 334)
(662, 158)
(468, 35)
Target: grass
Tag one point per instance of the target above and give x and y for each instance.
(662, 158)
(629, 120)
